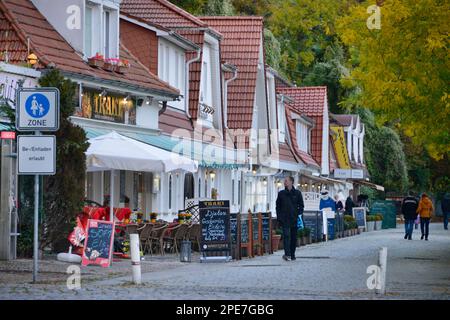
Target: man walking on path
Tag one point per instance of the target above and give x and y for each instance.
(425, 210)
(289, 206)
(409, 211)
(445, 205)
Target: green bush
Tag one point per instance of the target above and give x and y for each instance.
(307, 232)
(348, 218)
(300, 233)
(378, 217)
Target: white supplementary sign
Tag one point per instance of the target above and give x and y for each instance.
(342, 173)
(37, 109)
(36, 155)
(357, 174)
(348, 174)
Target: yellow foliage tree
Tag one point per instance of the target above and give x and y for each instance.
(402, 66)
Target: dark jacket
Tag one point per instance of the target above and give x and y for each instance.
(289, 206)
(339, 206)
(349, 205)
(445, 204)
(409, 208)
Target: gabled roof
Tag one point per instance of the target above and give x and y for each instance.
(308, 100)
(304, 156)
(161, 12)
(342, 119)
(240, 46)
(53, 50)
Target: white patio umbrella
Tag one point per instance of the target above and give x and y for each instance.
(116, 152)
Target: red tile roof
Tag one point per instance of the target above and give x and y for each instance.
(171, 120)
(286, 153)
(310, 101)
(304, 156)
(161, 12)
(240, 46)
(51, 48)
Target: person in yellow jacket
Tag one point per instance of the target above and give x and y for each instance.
(425, 211)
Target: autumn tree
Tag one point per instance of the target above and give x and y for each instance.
(403, 68)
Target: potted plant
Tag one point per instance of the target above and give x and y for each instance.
(276, 239)
(307, 232)
(370, 223)
(153, 217)
(300, 240)
(122, 66)
(181, 217)
(97, 61)
(349, 223)
(111, 64)
(378, 222)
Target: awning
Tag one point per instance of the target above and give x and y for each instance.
(207, 155)
(369, 184)
(116, 152)
(318, 179)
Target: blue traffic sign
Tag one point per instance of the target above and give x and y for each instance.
(37, 106)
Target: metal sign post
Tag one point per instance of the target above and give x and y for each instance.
(37, 110)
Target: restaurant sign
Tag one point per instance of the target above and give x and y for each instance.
(108, 107)
(340, 147)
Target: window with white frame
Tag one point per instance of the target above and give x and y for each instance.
(171, 68)
(207, 109)
(101, 29)
(281, 121)
(303, 136)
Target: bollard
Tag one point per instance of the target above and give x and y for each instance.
(185, 252)
(382, 262)
(135, 258)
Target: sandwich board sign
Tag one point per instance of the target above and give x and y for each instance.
(36, 155)
(37, 109)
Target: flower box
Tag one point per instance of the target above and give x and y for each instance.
(96, 63)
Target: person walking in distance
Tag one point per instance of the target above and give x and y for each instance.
(425, 210)
(409, 211)
(445, 205)
(349, 205)
(289, 206)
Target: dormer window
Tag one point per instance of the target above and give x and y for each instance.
(101, 29)
(303, 136)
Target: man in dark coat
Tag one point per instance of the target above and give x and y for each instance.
(409, 207)
(289, 206)
(349, 205)
(445, 205)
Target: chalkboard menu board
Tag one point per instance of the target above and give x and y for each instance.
(233, 227)
(331, 228)
(215, 222)
(313, 221)
(266, 227)
(255, 227)
(98, 243)
(360, 216)
(244, 229)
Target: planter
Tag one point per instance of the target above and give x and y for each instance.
(109, 67)
(370, 226)
(121, 69)
(276, 238)
(308, 239)
(96, 63)
(378, 225)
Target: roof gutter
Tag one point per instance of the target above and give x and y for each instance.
(159, 95)
(186, 81)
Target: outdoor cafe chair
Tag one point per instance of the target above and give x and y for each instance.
(144, 236)
(157, 239)
(169, 236)
(179, 235)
